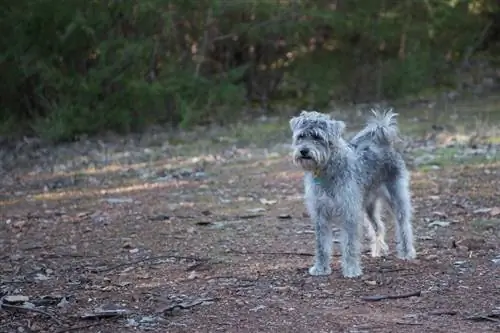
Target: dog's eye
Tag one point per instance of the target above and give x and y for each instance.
(315, 137)
(300, 137)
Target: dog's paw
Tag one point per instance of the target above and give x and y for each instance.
(407, 255)
(351, 271)
(318, 271)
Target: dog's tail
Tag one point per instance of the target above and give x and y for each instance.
(382, 128)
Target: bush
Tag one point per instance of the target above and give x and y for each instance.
(78, 67)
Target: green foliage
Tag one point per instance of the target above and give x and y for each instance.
(82, 67)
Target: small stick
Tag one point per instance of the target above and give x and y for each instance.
(488, 317)
(186, 305)
(25, 308)
(376, 298)
(139, 261)
(391, 270)
(407, 323)
(301, 254)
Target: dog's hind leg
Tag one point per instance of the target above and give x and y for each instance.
(399, 200)
(378, 244)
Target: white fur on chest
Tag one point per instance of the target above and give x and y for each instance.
(317, 200)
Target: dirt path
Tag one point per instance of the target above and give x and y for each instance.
(221, 243)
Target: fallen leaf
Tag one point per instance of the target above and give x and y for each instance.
(19, 224)
(258, 307)
(176, 306)
(304, 232)
(267, 202)
(482, 210)
(106, 311)
(439, 224)
(256, 210)
(13, 299)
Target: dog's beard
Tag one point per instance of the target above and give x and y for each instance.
(315, 160)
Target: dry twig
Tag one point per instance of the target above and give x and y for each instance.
(301, 254)
(185, 305)
(26, 308)
(376, 298)
(494, 317)
(139, 261)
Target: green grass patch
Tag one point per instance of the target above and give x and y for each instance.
(450, 156)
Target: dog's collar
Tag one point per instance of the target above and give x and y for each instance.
(316, 177)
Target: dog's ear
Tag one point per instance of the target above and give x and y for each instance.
(336, 127)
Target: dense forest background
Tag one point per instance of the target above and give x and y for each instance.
(81, 67)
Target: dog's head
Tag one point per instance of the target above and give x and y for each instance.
(315, 137)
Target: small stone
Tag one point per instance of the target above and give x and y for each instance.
(41, 277)
(63, 303)
(131, 322)
(147, 319)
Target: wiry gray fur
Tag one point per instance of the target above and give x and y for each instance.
(346, 183)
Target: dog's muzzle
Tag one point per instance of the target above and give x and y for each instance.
(305, 153)
(305, 157)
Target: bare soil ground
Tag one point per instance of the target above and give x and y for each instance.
(110, 238)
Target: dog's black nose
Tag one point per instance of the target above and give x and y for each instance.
(304, 151)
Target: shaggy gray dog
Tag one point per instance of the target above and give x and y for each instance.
(347, 183)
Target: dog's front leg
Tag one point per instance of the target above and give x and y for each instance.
(350, 243)
(324, 243)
